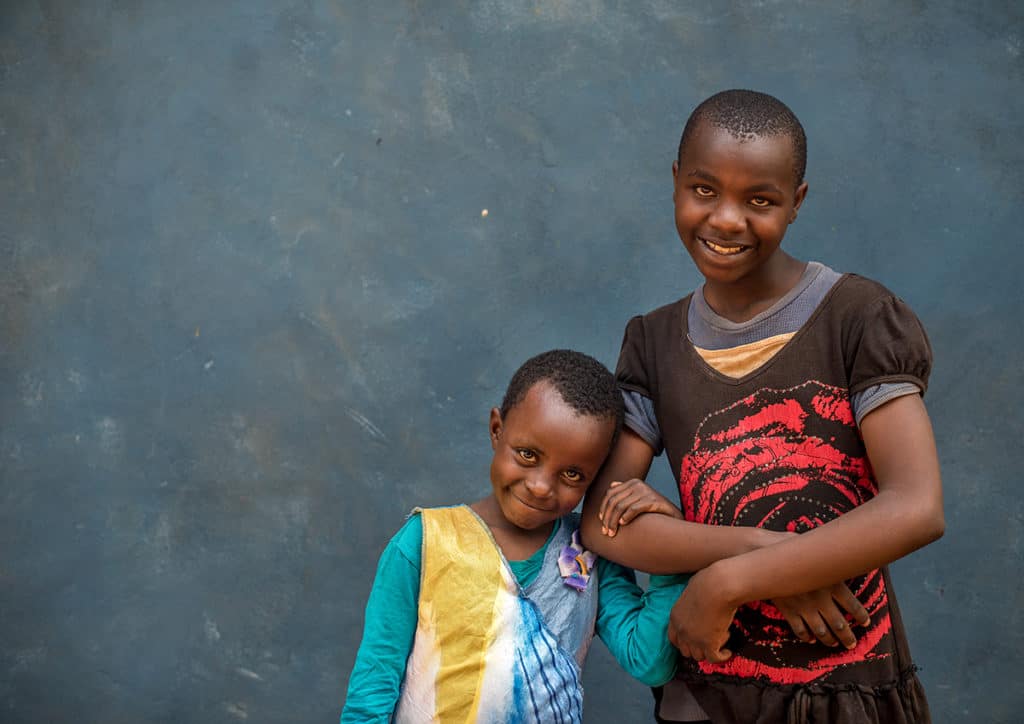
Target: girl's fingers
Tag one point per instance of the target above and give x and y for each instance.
(822, 632)
(619, 503)
(624, 501)
(719, 656)
(631, 509)
(800, 628)
(842, 631)
(628, 514)
(851, 604)
(602, 511)
(613, 514)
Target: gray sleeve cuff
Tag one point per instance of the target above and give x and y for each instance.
(640, 419)
(872, 398)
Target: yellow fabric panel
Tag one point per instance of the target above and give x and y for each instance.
(738, 361)
(468, 605)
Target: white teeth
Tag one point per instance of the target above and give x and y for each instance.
(719, 249)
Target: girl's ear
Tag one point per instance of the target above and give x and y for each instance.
(801, 194)
(494, 426)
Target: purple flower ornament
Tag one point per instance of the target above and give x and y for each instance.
(575, 564)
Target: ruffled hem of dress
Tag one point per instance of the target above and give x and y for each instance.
(731, 699)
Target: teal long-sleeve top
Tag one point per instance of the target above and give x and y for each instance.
(632, 623)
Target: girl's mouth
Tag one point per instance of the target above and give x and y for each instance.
(722, 249)
(532, 505)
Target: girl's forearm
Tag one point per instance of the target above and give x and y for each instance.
(652, 542)
(884, 529)
(905, 515)
(657, 543)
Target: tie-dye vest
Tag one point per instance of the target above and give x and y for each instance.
(486, 650)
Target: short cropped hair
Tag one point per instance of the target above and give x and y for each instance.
(747, 114)
(584, 384)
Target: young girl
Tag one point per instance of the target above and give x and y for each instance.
(485, 612)
(786, 396)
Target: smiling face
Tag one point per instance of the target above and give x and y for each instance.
(546, 454)
(734, 199)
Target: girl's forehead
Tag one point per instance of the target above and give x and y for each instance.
(546, 421)
(543, 408)
(711, 147)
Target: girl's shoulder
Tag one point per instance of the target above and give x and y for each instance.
(666, 313)
(867, 308)
(408, 540)
(854, 287)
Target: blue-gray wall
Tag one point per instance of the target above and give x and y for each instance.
(251, 312)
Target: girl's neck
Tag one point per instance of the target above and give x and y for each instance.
(745, 298)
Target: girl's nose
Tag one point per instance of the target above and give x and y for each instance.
(727, 219)
(540, 486)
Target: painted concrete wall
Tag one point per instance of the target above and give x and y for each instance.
(251, 312)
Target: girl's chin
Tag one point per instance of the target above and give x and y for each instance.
(527, 517)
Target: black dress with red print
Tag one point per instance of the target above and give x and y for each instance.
(779, 448)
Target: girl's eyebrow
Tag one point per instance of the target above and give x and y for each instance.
(698, 173)
(764, 187)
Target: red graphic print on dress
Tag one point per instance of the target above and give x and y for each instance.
(787, 460)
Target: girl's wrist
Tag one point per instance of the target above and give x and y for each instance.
(726, 582)
(761, 538)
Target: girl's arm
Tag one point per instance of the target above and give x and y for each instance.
(633, 624)
(388, 630)
(905, 515)
(652, 542)
(662, 544)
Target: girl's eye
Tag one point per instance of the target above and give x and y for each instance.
(703, 191)
(528, 455)
(760, 202)
(573, 476)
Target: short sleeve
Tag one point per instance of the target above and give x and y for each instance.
(888, 344)
(631, 370)
(640, 418)
(871, 398)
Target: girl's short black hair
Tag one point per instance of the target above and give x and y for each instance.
(584, 384)
(750, 114)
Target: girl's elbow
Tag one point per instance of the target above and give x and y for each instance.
(930, 525)
(920, 517)
(937, 525)
(656, 676)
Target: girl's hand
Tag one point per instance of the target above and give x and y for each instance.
(699, 623)
(625, 501)
(818, 615)
(700, 619)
